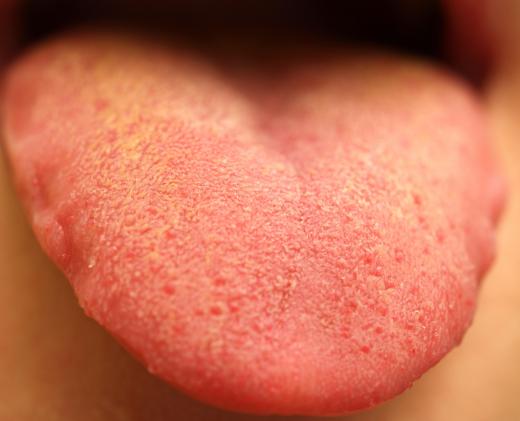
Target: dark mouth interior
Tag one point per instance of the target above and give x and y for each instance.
(414, 26)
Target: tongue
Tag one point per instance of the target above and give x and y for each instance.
(301, 233)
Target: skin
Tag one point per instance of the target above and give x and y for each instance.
(37, 301)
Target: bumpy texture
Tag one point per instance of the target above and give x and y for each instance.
(296, 234)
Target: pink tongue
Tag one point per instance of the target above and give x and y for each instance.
(305, 237)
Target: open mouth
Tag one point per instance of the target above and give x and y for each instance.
(265, 210)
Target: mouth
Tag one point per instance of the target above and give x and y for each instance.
(270, 220)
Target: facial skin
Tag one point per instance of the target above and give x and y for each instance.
(59, 365)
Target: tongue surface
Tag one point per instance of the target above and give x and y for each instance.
(303, 234)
